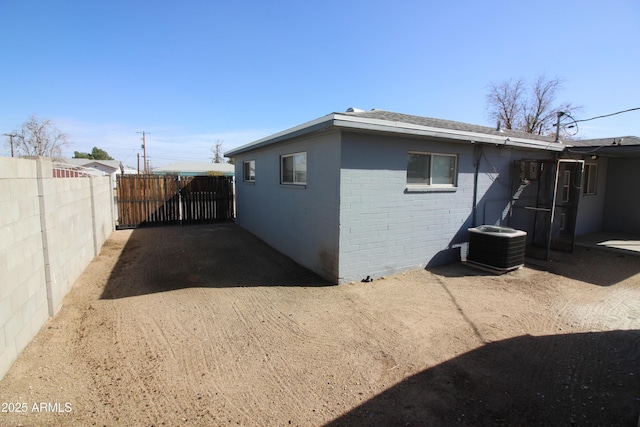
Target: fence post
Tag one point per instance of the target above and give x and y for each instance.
(179, 199)
(114, 204)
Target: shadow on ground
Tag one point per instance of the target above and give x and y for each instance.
(460, 269)
(590, 265)
(208, 256)
(575, 379)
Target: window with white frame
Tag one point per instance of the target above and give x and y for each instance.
(590, 179)
(249, 170)
(293, 168)
(431, 169)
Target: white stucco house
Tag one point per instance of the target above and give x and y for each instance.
(370, 193)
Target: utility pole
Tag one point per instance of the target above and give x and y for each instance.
(560, 114)
(144, 148)
(10, 135)
(138, 163)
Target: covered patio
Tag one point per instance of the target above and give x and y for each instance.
(609, 210)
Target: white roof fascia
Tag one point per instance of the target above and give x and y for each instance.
(285, 134)
(361, 123)
(466, 136)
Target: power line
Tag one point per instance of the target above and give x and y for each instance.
(566, 126)
(607, 115)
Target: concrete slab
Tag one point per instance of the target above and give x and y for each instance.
(616, 242)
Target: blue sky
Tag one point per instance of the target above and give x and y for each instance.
(193, 72)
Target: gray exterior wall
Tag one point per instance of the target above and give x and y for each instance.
(591, 208)
(357, 218)
(385, 229)
(299, 221)
(50, 229)
(622, 204)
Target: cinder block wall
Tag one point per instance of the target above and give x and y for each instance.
(50, 229)
(299, 221)
(385, 228)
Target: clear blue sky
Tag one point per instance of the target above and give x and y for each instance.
(193, 72)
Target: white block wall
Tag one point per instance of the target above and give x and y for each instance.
(50, 229)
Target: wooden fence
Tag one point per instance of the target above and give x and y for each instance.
(169, 199)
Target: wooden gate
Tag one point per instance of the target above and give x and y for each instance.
(169, 199)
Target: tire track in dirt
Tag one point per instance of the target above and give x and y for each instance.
(183, 376)
(217, 352)
(132, 365)
(289, 341)
(374, 343)
(521, 302)
(264, 333)
(157, 369)
(180, 344)
(214, 352)
(146, 333)
(603, 308)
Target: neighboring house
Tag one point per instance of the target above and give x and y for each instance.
(106, 167)
(609, 201)
(129, 171)
(196, 169)
(371, 193)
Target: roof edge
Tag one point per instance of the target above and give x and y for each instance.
(354, 122)
(345, 121)
(305, 128)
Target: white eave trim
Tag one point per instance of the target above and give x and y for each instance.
(452, 134)
(378, 125)
(299, 130)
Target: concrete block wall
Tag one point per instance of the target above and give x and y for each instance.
(23, 291)
(72, 218)
(299, 221)
(357, 217)
(50, 229)
(386, 228)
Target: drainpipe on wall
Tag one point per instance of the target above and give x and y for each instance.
(477, 156)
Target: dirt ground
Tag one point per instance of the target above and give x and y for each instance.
(207, 326)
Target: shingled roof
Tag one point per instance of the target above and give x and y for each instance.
(355, 120)
(600, 142)
(442, 124)
(619, 146)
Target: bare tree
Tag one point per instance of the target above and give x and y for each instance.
(531, 110)
(39, 137)
(217, 152)
(504, 101)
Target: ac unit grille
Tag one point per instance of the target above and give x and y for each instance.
(502, 250)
